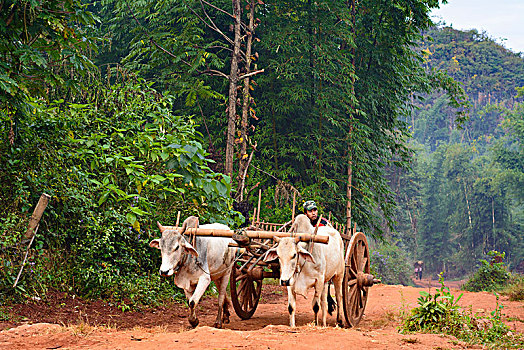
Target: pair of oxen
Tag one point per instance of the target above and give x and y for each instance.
(208, 259)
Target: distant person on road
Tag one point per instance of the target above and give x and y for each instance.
(311, 211)
(418, 269)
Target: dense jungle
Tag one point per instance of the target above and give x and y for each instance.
(128, 112)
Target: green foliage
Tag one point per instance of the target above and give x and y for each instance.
(119, 163)
(490, 276)
(389, 263)
(440, 313)
(44, 46)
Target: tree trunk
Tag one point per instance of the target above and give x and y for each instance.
(246, 99)
(233, 81)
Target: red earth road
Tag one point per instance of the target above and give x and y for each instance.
(81, 325)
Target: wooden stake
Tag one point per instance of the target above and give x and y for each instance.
(37, 215)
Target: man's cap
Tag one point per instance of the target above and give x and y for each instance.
(309, 205)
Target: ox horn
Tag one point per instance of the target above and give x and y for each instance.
(276, 239)
(297, 239)
(160, 227)
(190, 222)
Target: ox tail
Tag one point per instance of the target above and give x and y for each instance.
(331, 302)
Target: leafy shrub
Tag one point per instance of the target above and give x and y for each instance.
(439, 313)
(390, 264)
(490, 276)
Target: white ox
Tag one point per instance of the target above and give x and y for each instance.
(194, 267)
(301, 270)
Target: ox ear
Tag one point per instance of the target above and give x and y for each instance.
(305, 255)
(155, 243)
(189, 248)
(271, 254)
(160, 227)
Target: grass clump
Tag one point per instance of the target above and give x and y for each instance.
(440, 313)
(515, 288)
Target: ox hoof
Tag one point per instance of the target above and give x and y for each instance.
(218, 324)
(193, 321)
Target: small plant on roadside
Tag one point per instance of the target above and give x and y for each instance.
(433, 309)
(440, 313)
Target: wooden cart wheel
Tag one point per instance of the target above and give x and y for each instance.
(245, 292)
(357, 279)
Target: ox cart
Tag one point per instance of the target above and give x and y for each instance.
(249, 268)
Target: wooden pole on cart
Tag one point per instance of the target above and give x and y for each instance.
(254, 216)
(294, 205)
(258, 208)
(177, 218)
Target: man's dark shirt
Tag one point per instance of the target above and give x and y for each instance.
(324, 222)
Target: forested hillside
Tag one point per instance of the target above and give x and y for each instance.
(464, 197)
(126, 112)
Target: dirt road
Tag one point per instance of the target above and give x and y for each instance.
(73, 324)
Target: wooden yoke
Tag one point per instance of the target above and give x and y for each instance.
(304, 237)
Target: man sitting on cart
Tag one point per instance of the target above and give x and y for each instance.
(311, 211)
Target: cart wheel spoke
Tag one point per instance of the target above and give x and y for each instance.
(353, 272)
(240, 278)
(245, 293)
(363, 264)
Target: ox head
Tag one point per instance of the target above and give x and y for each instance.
(173, 246)
(288, 251)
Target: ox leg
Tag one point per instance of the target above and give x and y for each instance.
(324, 303)
(223, 311)
(319, 287)
(203, 283)
(291, 305)
(337, 283)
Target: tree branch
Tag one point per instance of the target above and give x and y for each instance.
(250, 74)
(218, 9)
(214, 72)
